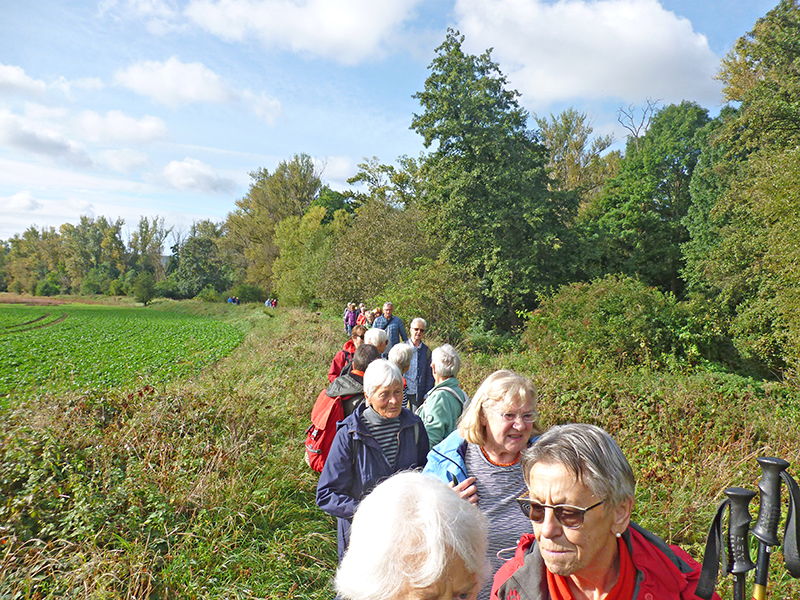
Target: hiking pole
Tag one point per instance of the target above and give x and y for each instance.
(738, 531)
(769, 513)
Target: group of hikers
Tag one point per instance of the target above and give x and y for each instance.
(439, 495)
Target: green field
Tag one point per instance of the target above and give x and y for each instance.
(92, 347)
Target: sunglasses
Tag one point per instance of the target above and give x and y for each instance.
(417, 329)
(569, 516)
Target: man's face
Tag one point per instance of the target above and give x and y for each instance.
(417, 333)
(387, 311)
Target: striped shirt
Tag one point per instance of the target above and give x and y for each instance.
(384, 431)
(498, 489)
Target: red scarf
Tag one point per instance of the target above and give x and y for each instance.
(622, 590)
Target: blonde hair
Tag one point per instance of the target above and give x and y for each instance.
(499, 387)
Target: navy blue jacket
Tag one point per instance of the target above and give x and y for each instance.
(424, 374)
(356, 464)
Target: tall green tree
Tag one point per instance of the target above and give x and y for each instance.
(146, 246)
(249, 230)
(576, 160)
(636, 225)
(749, 258)
(304, 248)
(485, 183)
(199, 264)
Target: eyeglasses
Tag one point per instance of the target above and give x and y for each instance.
(418, 329)
(361, 337)
(569, 516)
(510, 417)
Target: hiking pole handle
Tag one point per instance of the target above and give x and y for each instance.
(769, 514)
(738, 531)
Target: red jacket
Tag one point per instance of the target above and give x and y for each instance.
(340, 360)
(662, 572)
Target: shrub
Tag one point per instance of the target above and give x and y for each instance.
(168, 288)
(209, 294)
(48, 286)
(247, 293)
(144, 288)
(116, 287)
(615, 318)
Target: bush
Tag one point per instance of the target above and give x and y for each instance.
(48, 286)
(614, 319)
(144, 288)
(247, 293)
(168, 288)
(116, 287)
(209, 294)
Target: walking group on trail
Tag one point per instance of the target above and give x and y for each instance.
(439, 495)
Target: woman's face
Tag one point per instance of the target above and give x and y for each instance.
(357, 340)
(588, 551)
(458, 583)
(387, 400)
(505, 436)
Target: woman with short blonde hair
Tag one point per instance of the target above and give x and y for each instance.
(481, 459)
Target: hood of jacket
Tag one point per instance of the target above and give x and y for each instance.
(346, 385)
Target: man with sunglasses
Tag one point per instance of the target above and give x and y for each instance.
(584, 545)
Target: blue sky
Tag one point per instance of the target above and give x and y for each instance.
(130, 108)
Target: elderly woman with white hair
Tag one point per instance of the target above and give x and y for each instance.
(446, 401)
(481, 459)
(584, 544)
(378, 439)
(413, 538)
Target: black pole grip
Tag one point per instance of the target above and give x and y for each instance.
(769, 507)
(739, 529)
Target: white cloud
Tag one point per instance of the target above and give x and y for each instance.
(160, 16)
(124, 160)
(13, 79)
(22, 201)
(347, 31)
(116, 126)
(84, 83)
(602, 49)
(336, 169)
(174, 83)
(265, 107)
(22, 134)
(192, 174)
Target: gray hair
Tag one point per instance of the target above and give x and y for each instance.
(406, 533)
(590, 454)
(419, 320)
(376, 337)
(401, 355)
(446, 360)
(380, 373)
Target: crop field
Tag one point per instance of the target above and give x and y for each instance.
(86, 347)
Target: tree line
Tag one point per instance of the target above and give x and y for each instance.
(503, 210)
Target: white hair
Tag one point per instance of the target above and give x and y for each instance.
(406, 533)
(416, 320)
(401, 355)
(380, 373)
(376, 337)
(446, 360)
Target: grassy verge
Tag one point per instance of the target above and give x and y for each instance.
(197, 489)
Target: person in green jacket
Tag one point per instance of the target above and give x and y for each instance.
(446, 401)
